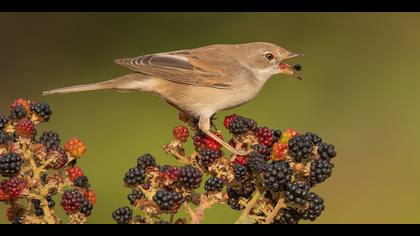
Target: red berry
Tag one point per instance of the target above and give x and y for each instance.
(13, 187)
(59, 156)
(180, 133)
(265, 136)
(25, 128)
(288, 134)
(74, 172)
(212, 144)
(279, 151)
(75, 147)
(91, 197)
(241, 160)
(72, 201)
(227, 121)
(3, 195)
(20, 101)
(169, 172)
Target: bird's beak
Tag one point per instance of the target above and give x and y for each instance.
(286, 69)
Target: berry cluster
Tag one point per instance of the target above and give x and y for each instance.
(270, 184)
(35, 169)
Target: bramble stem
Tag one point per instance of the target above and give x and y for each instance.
(244, 218)
(280, 205)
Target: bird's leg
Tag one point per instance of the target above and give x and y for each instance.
(204, 125)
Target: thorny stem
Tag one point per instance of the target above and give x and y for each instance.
(198, 215)
(245, 214)
(280, 205)
(43, 192)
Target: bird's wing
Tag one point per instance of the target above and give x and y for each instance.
(201, 67)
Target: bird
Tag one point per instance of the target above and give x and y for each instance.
(201, 81)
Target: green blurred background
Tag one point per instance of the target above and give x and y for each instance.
(360, 92)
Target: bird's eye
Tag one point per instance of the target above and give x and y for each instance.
(269, 56)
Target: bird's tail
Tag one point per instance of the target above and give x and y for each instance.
(128, 82)
(78, 88)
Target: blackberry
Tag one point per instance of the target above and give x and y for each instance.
(72, 201)
(246, 189)
(4, 138)
(50, 139)
(146, 160)
(134, 196)
(288, 216)
(314, 138)
(3, 122)
(180, 221)
(42, 110)
(265, 136)
(51, 202)
(17, 220)
(252, 125)
(300, 147)
(256, 162)
(39, 212)
(238, 125)
(168, 200)
(135, 176)
(18, 112)
(263, 150)
(277, 175)
(87, 208)
(60, 157)
(162, 222)
(170, 172)
(208, 156)
(316, 206)
(10, 164)
(123, 215)
(297, 192)
(82, 182)
(180, 133)
(25, 128)
(321, 169)
(214, 184)
(190, 177)
(240, 172)
(233, 200)
(326, 151)
(277, 134)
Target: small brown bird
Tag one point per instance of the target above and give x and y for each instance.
(201, 81)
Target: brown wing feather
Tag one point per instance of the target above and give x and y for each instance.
(187, 67)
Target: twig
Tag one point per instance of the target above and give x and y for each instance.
(280, 205)
(245, 214)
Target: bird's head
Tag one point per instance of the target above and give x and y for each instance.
(267, 59)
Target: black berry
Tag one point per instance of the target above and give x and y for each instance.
(288, 216)
(256, 162)
(42, 110)
(208, 156)
(18, 112)
(277, 175)
(135, 176)
(238, 125)
(190, 177)
(72, 201)
(263, 150)
(240, 172)
(87, 208)
(10, 164)
(316, 206)
(82, 182)
(326, 151)
(321, 169)
(297, 192)
(300, 147)
(50, 139)
(214, 184)
(3, 122)
(168, 200)
(146, 160)
(134, 196)
(123, 215)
